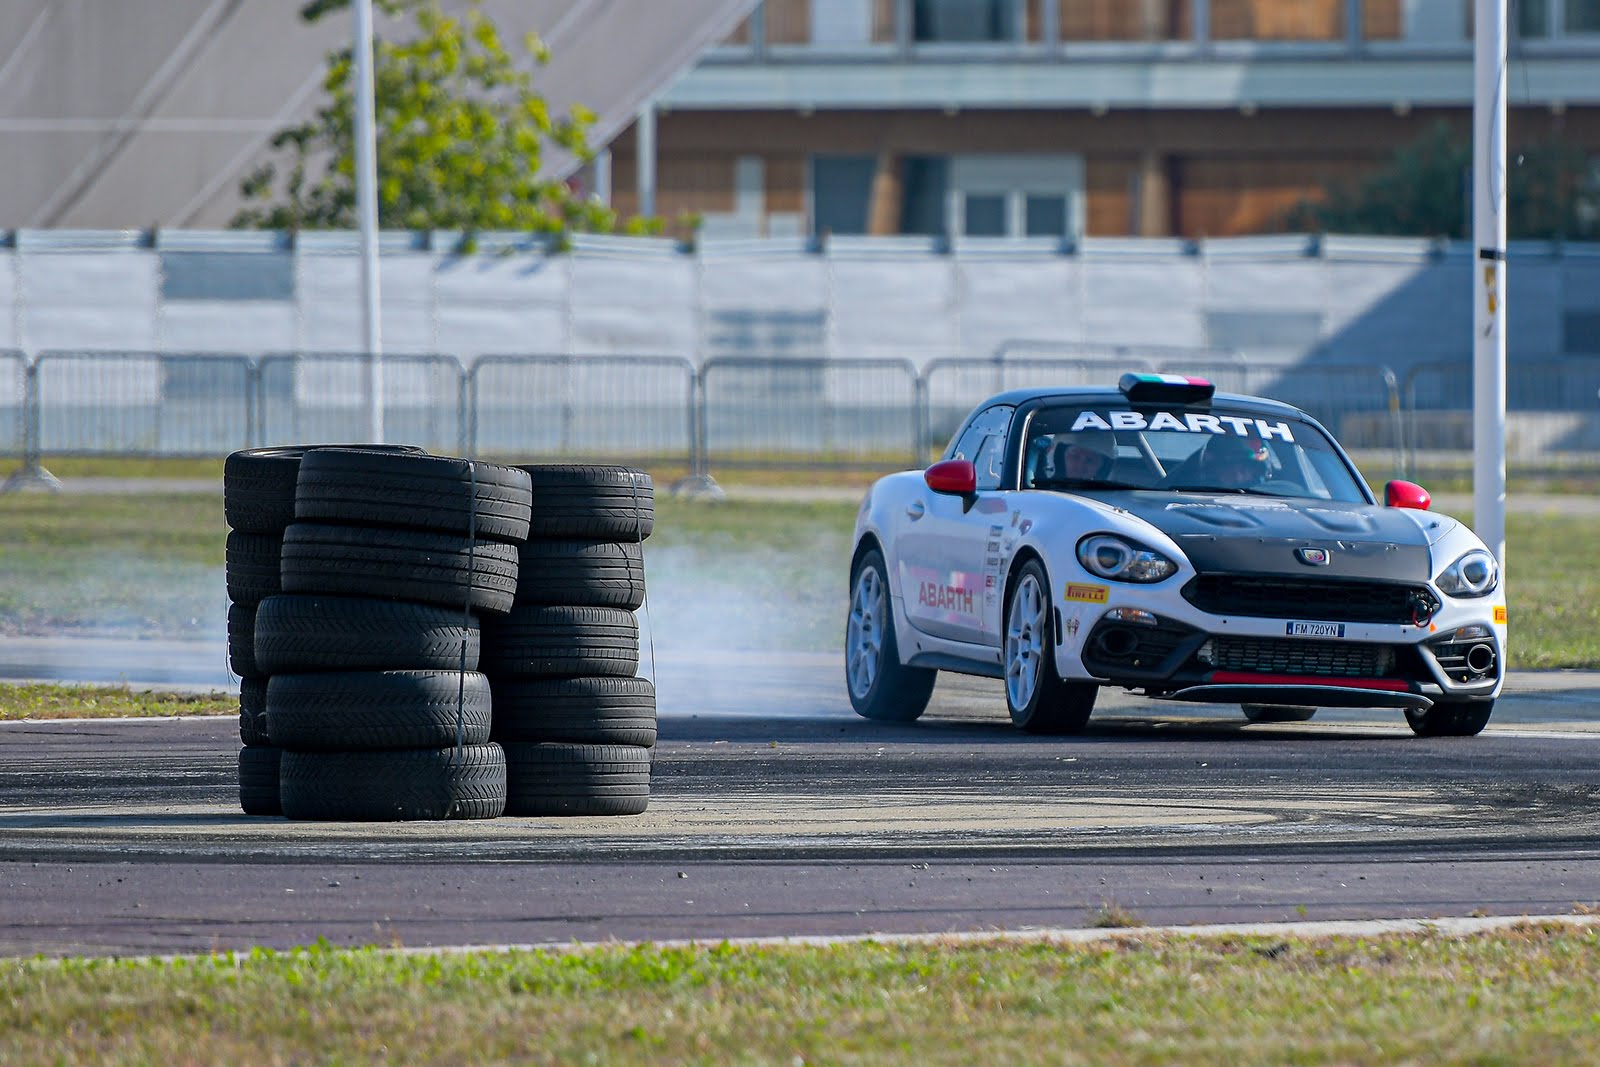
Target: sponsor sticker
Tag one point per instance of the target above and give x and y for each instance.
(942, 597)
(1500, 615)
(1315, 629)
(1187, 422)
(1092, 594)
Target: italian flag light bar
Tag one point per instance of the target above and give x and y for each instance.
(1166, 388)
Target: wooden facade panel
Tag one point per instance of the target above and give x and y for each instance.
(786, 185)
(1277, 20)
(1108, 204)
(1380, 20)
(1224, 197)
(1125, 20)
(788, 21)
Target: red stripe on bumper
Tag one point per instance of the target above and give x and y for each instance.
(1393, 685)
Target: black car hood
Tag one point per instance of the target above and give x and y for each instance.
(1242, 534)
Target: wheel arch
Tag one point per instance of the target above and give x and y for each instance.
(869, 542)
(1018, 561)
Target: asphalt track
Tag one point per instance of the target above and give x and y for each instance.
(777, 812)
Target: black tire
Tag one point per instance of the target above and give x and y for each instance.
(578, 711)
(1039, 700)
(296, 634)
(253, 711)
(1277, 712)
(258, 484)
(562, 642)
(414, 492)
(428, 783)
(259, 769)
(426, 568)
(242, 641)
(552, 779)
(1451, 718)
(581, 574)
(880, 686)
(591, 503)
(252, 567)
(362, 711)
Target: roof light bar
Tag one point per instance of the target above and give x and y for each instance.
(1166, 388)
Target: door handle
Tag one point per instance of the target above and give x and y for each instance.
(916, 511)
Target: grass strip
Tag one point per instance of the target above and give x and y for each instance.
(1525, 996)
(45, 701)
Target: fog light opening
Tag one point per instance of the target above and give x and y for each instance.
(1480, 659)
(1117, 642)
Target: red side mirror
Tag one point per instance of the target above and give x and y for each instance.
(1398, 494)
(952, 476)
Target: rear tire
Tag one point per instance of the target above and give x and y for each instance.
(881, 687)
(1277, 712)
(1451, 719)
(1039, 700)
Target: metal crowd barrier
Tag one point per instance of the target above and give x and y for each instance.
(763, 412)
(731, 412)
(554, 407)
(14, 407)
(140, 404)
(321, 397)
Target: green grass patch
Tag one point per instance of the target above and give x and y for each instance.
(132, 467)
(106, 702)
(1524, 996)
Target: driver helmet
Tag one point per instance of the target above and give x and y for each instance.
(1235, 461)
(1086, 454)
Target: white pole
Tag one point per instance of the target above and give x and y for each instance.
(645, 161)
(367, 216)
(1489, 276)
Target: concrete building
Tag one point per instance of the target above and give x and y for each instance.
(1080, 117)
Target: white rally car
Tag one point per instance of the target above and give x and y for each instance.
(1165, 538)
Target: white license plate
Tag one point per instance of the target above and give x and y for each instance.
(1316, 629)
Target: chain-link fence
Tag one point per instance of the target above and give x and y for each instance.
(631, 408)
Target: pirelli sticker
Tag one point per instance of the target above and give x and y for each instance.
(1500, 615)
(1089, 594)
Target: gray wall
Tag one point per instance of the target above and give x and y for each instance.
(1338, 300)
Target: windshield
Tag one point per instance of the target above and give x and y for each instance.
(1223, 450)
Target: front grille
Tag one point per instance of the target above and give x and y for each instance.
(1307, 598)
(1266, 655)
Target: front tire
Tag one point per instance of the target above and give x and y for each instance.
(1039, 701)
(1450, 719)
(1277, 712)
(881, 687)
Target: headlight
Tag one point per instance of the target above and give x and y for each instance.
(1122, 560)
(1474, 574)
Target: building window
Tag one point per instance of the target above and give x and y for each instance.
(1046, 216)
(966, 20)
(841, 192)
(1557, 18)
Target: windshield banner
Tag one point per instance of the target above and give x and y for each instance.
(1188, 422)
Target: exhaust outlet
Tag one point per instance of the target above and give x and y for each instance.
(1480, 659)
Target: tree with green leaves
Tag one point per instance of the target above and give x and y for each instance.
(1424, 191)
(460, 134)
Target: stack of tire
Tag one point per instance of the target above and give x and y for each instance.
(258, 486)
(371, 649)
(258, 502)
(578, 727)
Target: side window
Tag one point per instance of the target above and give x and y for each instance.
(989, 460)
(984, 443)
